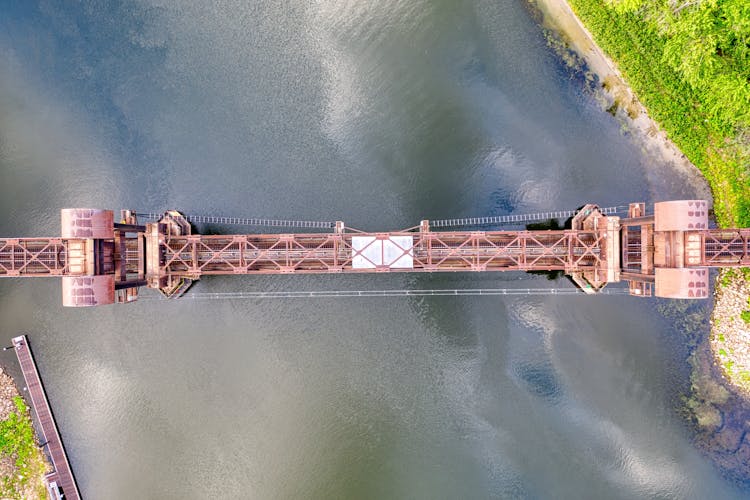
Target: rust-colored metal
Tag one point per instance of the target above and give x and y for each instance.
(681, 283)
(673, 248)
(86, 291)
(723, 247)
(110, 263)
(87, 223)
(197, 255)
(681, 215)
(34, 257)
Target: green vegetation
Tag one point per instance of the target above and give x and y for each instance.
(688, 61)
(726, 277)
(18, 446)
(745, 315)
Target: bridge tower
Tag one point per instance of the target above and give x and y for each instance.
(103, 258)
(663, 253)
(606, 268)
(171, 224)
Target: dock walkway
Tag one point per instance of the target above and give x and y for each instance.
(61, 480)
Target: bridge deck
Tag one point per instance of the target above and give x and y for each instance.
(196, 255)
(725, 247)
(62, 473)
(33, 256)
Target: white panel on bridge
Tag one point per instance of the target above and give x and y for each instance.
(397, 252)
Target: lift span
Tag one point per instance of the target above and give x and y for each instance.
(100, 261)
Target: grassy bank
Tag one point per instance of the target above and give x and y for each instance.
(21, 461)
(689, 65)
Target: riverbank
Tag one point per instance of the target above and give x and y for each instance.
(617, 96)
(22, 463)
(684, 97)
(719, 157)
(719, 148)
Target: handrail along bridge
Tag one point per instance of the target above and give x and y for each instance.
(100, 261)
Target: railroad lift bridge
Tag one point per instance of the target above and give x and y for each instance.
(100, 261)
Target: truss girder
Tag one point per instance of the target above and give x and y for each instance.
(725, 247)
(197, 255)
(33, 257)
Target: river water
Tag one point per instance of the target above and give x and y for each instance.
(375, 113)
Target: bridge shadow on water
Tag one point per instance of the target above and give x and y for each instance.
(447, 313)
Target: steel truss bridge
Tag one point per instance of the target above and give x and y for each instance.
(101, 261)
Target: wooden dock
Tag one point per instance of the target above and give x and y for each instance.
(61, 481)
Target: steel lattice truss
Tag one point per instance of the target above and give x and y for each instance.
(726, 247)
(197, 255)
(33, 257)
(426, 251)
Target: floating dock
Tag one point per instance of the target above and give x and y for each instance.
(61, 482)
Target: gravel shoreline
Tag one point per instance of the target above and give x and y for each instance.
(730, 333)
(8, 391)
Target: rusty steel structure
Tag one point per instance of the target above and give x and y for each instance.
(100, 261)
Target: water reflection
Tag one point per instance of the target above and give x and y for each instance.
(380, 115)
